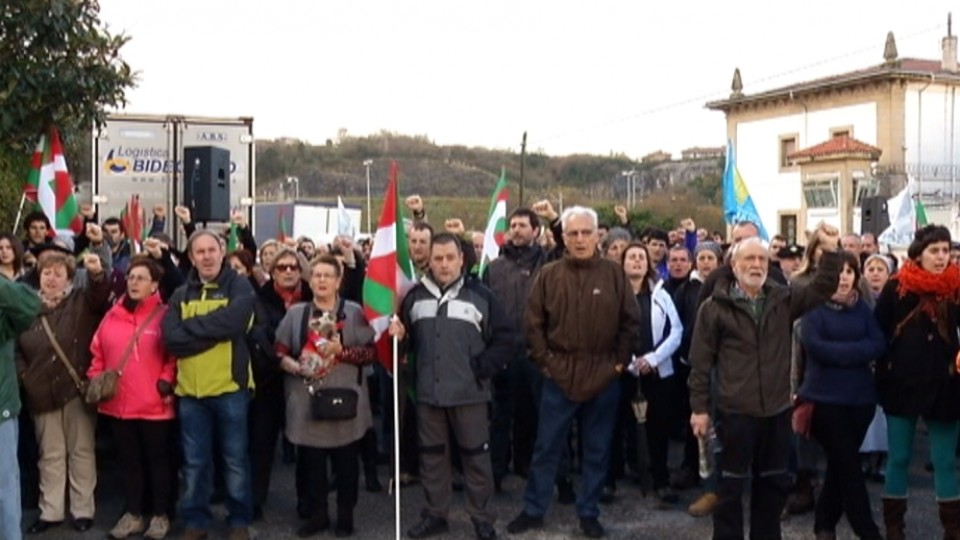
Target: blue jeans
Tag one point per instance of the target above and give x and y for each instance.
(9, 482)
(227, 414)
(556, 413)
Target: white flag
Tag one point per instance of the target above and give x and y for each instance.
(903, 218)
(344, 223)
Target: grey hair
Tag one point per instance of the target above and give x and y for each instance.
(576, 211)
(614, 234)
(738, 247)
(202, 232)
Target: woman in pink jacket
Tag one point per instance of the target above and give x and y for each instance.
(142, 410)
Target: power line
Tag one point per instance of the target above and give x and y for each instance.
(706, 97)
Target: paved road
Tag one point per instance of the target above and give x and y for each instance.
(629, 517)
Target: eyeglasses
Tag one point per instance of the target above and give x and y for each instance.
(135, 279)
(583, 232)
(325, 277)
(287, 267)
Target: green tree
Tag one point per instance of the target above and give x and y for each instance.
(58, 65)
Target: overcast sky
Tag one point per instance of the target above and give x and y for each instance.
(626, 76)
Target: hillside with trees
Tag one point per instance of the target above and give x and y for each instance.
(459, 179)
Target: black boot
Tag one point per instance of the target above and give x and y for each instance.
(893, 512)
(802, 499)
(950, 519)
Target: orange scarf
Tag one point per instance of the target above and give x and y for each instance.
(935, 290)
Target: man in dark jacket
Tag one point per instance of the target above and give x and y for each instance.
(461, 338)
(205, 328)
(580, 322)
(509, 277)
(753, 381)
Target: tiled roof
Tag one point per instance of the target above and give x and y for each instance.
(916, 68)
(837, 146)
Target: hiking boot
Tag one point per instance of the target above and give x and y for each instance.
(159, 528)
(592, 528)
(238, 533)
(128, 525)
(523, 523)
(428, 526)
(703, 506)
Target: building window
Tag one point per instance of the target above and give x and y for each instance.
(863, 188)
(843, 131)
(788, 145)
(821, 192)
(788, 227)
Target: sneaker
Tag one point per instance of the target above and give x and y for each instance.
(484, 530)
(428, 526)
(238, 533)
(159, 528)
(523, 523)
(128, 525)
(592, 528)
(703, 506)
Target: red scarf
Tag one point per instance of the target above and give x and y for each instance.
(932, 289)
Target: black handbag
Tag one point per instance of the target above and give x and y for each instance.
(335, 403)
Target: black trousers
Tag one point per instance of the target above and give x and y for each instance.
(315, 463)
(146, 460)
(681, 397)
(266, 421)
(624, 451)
(840, 430)
(513, 429)
(756, 448)
(660, 413)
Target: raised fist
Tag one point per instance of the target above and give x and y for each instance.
(543, 209)
(92, 263)
(153, 247)
(239, 218)
(688, 225)
(94, 233)
(621, 212)
(454, 226)
(160, 211)
(183, 214)
(414, 203)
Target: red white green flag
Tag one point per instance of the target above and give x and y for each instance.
(50, 187)
(496, 223)
(389, 272)
(283, 231)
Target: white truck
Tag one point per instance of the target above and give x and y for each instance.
(136, 154)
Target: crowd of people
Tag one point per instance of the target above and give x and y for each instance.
(580, 353)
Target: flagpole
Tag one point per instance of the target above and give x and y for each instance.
(395, 481)
(23, 201)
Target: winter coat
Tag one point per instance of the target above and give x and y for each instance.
(137, 395)
(663, 319)
(580, 323)
(917, 375)
(18, 309)
(840, 344)
(46, 382)
(459, 337)
(752, 358)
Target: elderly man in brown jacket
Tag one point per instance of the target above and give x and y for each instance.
(753, 400)
(581, 319)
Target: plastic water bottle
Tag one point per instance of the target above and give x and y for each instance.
(708, 457)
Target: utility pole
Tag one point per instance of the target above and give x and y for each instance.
(367, 163)
(523, 159)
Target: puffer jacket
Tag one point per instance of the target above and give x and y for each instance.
(752, 360)
(137, 395)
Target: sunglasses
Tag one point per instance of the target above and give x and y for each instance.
(287, 267)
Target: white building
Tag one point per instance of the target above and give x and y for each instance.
(904, 109)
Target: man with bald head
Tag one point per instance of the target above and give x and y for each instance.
(753, 405)
(741, 231)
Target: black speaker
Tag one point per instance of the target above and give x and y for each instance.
(873, 215)
(206, 183)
